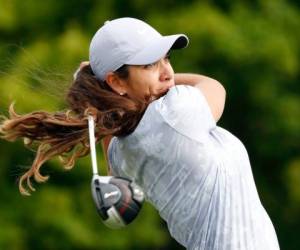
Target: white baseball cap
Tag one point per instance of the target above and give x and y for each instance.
(129, 41)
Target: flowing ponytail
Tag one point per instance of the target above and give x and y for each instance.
(65, 134)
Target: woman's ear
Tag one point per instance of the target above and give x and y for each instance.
(116, 83)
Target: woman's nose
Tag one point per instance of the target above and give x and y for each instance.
(165, 71)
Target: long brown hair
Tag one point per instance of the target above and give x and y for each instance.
(65, 133)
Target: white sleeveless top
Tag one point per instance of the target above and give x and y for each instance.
(196, 174)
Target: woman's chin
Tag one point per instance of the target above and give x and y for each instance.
(163, 93)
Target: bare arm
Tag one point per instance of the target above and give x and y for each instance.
(213, 91)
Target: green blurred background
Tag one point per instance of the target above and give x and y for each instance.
(252, 47)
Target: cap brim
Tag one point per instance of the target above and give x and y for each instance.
(158, 49)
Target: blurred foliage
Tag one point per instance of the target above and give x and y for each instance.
(252, 47)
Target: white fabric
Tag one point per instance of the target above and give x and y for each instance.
(196, 174)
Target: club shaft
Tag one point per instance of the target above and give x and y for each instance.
(93, 144)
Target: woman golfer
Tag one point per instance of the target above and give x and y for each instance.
(165, 138)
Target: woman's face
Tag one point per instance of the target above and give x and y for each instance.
(149, 82)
